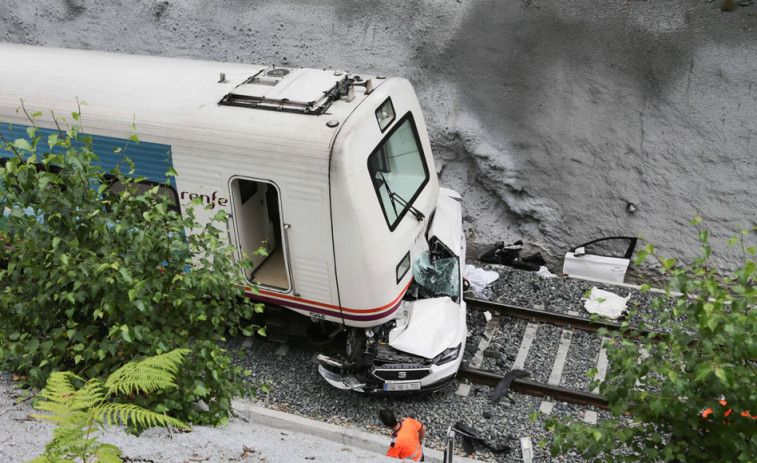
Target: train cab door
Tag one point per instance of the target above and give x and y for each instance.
(259, 230)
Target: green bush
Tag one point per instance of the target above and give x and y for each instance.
(94, 277)
(658, 391)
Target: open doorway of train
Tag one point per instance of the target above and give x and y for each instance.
(257, 220)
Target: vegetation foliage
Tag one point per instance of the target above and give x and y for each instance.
(81, 413)
(95, 276)
(706, 359)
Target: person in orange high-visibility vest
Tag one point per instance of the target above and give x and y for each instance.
(407, 436)
(708, 412)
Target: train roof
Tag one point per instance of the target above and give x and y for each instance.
(272, 102)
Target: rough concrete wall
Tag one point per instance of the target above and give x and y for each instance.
(549, 120)
(649, 104)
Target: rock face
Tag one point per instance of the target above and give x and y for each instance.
(554, 119)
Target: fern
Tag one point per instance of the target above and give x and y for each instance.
(79, 413)
(151, 374)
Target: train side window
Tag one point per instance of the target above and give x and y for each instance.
(403, 267)
(165, 192)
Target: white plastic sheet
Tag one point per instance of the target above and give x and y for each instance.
(479, 279)
(545, 273)
(605, 303)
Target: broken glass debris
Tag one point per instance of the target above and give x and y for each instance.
(440, 277)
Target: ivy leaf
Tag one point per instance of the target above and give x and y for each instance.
(126, 276)
(125, 334)
(703, 235)
(22, 144)
(200, 390)
(720, 374)
(52, 140)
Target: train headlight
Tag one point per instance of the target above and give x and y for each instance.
(448, 355)
(385, 114)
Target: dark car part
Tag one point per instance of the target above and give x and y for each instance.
(504, 384)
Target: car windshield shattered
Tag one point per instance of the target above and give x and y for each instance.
(398, 171)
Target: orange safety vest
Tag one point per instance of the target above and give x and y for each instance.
(708, 412)
(405, 443)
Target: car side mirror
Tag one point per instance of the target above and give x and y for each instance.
(579, 252)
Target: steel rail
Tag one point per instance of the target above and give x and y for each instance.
(560, 319)
(534, 388)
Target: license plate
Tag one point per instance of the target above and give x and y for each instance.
(402, 386)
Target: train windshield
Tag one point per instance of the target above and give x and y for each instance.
(398, 170)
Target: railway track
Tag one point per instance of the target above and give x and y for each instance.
(534, 388)
(550, 389)
(554, 318)
(541, 389)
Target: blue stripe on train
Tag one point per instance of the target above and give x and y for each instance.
(151, 160)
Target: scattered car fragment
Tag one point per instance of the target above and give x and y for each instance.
(510, 255)
(471, 435)
(504, 384)
(604, 259)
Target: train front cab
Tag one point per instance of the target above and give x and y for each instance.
(399, 250)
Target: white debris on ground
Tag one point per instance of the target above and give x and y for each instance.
(479, 279)
(605, 303)
(545, 273)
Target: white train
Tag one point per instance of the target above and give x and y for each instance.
(332, 172)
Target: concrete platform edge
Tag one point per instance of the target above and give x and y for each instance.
(352, 437)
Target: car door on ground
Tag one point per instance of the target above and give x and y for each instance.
(602, 259)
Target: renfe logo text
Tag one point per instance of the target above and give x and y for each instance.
(212, 200)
